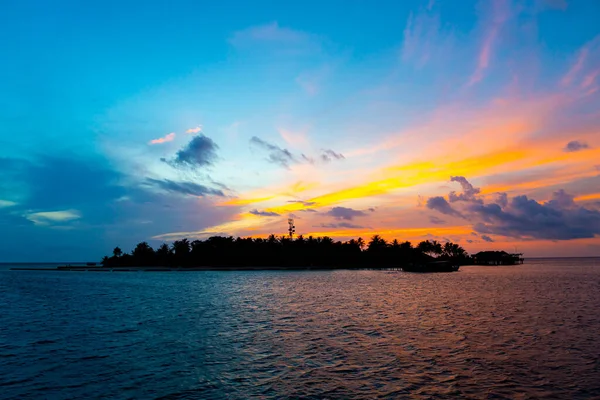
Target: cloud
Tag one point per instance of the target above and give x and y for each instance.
(521, 217)
(440, 204)
(168, 138)
(425, 39)
(52, 217)
(558, 219)
(263, 213)
(284, 157)
(199, 152)
(7, 203)
(575, 145)
(197, 129)
(311, 210)
(276, 155)
(329, 155)
(308, 159)
(293, 138)
(499, 15)
(487, 238)
(187, 188)
(576, 67)
(304, 203)
(346, 225)
(345, 213)
(436, 220)
(469, 192)
(272, 35)
(502, 199)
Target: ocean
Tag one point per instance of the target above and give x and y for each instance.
(526, 331)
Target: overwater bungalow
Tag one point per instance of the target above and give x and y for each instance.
(497, 258)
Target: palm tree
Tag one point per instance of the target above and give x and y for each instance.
(377, 243)
(117, 252)
(361, 243)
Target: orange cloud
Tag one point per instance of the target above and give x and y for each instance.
(588, 197)
(167, 138)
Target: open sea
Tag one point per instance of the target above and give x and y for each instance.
(527, 331)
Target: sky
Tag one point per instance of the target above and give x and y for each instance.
(473, 121)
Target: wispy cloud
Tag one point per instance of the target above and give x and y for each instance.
(7, 203)
(579, 64)
(329, 155)
(167, 138)
(338, 225)
(276, 155)
(437, 221)
(52, 217)
(187, 188)
(500, 13)
(274, 36)
(293, 138)
(196, 129)
(424, 39)
(263, 213)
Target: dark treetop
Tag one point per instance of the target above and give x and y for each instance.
(301, 252)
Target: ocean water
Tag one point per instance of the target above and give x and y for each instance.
(530, 331)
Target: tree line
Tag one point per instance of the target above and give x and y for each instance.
(283, 251)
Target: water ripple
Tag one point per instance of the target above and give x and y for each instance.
(507, 332)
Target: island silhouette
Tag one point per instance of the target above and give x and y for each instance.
(287, 252)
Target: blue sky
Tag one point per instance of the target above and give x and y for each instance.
(130, 121)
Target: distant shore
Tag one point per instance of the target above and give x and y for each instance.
(189, 269)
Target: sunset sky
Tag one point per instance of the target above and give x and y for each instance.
(129, 121)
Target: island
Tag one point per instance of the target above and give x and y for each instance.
(289, 252)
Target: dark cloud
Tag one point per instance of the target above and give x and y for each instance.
(347, 225)
(502, 199)
(311, 210)
(487, 238)
(371, 209)
(112, 213)
(469, 241)
(440, 204)
(469, 192)
(201, 151)
(558, 219)
(520, 217)
(436, 220)
(329, 155)
(264, 213)
(276, 155)
(575, 145)
(187, 188)
(345, 213)
(61, 182)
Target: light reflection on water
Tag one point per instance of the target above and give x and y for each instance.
(528, 331)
